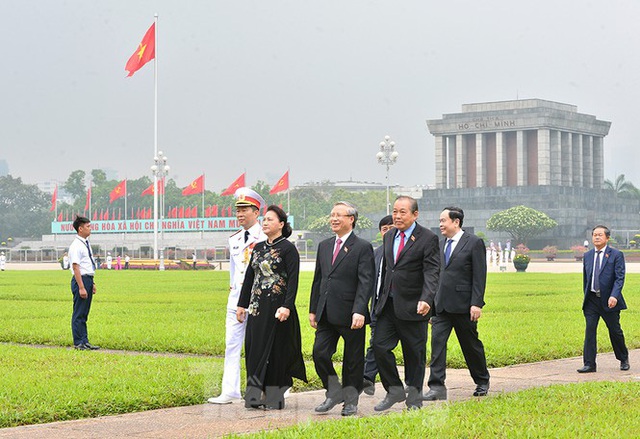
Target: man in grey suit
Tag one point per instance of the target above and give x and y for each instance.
(340, 293)
(458, 304)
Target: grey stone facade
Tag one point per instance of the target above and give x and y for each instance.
(542, 154)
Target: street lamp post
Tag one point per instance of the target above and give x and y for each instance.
(160, 169)
(387, 156)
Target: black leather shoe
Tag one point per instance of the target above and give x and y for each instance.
(411, 407)
(388, 402)
(92, 347)
(587, 369)
(435, 395)
(349, 410)
(624, 365)
(368, 387)
(327, 405)
(81, 347)
(481, 390)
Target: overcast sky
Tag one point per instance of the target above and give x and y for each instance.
(263, 85)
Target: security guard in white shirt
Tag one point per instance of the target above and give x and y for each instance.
(248, 206)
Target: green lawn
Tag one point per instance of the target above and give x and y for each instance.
(528, 317)
(590, 410)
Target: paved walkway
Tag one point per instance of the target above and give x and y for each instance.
(208, 420)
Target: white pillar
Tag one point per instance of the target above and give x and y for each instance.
(587, 161)
(481, 161)
(451, 159)
(521, 158)
(577, 159)
(556, 158)
(441, 162)
(598, 162)
(461, 161)
(501, 161)
(567, 159)
(544, 157)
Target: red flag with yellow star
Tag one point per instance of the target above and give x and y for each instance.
(281, 185)
(145, 52)
(238, 183)
(118, 192)
(196, 186)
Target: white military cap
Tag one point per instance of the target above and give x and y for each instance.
(248, 197)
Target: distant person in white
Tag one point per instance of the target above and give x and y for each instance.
(241, 243)
(3, 261)
(109, 261)
(65, 261)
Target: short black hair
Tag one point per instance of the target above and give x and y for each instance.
(80, 220)
(607, 232)
(455, 213)
(282, 217)
(385, 221)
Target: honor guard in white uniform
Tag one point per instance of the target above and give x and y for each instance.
(248, 206)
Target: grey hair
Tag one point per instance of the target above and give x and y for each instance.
(351, 210)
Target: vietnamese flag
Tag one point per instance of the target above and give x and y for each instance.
(118, 192)
(196, 186)
(95, 216)
(87, 203)
(174, 212)
(145, 52)
(214, 210)
(54, 199)
(149, 190)
(181, 212)
(281, 185)
(238, 183)
(60, 217)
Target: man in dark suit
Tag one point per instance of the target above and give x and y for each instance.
(340, 294)
(602, 281)
(411, 261)
(370, 365)
(458, 304)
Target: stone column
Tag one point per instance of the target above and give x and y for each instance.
(544, 157)
(587, 161)
(501, 161)
(567, 159)
(598, 162)
(451, 159)
(481, 161)
(441, 162)
(556, 158)
(576, 140)
(522, 158)
(461, 162)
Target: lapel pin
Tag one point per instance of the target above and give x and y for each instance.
(413, 238)
(346, 249)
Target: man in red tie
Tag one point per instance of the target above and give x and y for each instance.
(411, 265)
(340, 293)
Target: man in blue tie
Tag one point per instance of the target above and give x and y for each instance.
(458, 304)
(602, 281)
(83, 287)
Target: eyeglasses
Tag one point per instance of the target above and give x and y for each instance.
(338, 215)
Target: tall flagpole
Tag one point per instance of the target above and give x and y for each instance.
(202, 213)
(90, 196)
(125, 199)
(288, 192)
(155, 140)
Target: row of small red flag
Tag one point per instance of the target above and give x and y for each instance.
(195, 187)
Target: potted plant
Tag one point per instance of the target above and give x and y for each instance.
(550, 252)
(521, 259)
(578, 251)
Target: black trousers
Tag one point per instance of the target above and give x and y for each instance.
(472, 348)
(324, 347)
(81, 308)
(370, 365)
(412, 335)
(593, 311)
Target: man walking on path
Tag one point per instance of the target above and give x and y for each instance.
(602, 281)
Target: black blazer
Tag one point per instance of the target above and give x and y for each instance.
(344, 288)
(378, 254)
(464, 279)
(414, 277)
